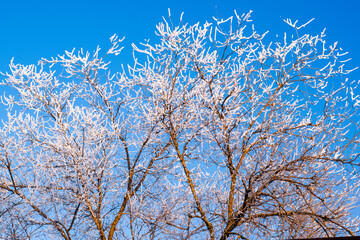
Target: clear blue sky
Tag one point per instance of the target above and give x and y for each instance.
(31, 29)
(34, 29)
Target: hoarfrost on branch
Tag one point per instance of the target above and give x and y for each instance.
(217, 134)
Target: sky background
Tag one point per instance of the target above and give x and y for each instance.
(34, 29)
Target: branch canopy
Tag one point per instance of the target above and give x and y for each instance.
(214, 132)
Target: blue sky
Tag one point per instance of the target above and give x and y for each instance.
(34, 29)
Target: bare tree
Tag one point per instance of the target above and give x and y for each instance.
(218, 134)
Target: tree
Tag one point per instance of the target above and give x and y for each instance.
(215, 134)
